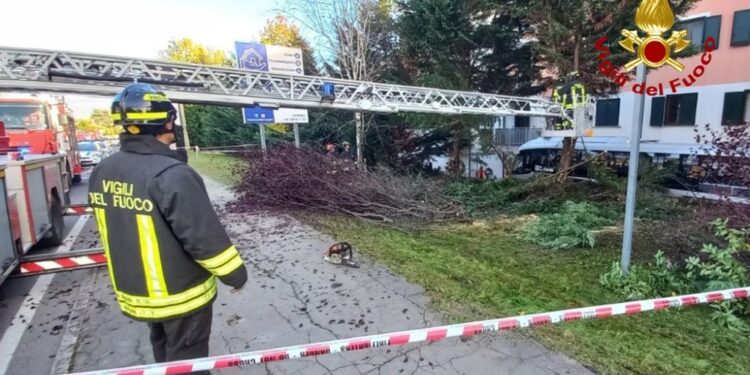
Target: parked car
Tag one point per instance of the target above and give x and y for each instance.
(106, 149)
(91, 153)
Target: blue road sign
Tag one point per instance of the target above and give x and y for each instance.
(258, 115)
(252, 56)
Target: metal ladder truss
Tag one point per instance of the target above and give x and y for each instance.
(28, 69)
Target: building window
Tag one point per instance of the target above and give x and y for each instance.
(674, 110)
(700, 29)
(608, 112)
(523, 122)
(736, 108)
(741, 28)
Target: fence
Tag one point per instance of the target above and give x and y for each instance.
(515, 137)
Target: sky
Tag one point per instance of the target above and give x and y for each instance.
(131, 28)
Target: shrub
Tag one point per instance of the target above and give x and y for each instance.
(650, 177)
(661, 278)
(486, 198)
(721, 269)
(571, 227)
(718, 268)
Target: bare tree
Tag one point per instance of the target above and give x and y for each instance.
(354, 37)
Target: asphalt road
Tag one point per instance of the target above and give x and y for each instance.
(35, 310)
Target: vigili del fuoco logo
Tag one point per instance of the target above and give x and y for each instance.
(654, 18)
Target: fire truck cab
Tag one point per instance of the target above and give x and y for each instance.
(42, 124)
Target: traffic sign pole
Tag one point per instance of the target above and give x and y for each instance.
(296, 135)
(262, 137)
(635, 153)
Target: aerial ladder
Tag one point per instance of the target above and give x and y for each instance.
(82, 73)
(90, 74)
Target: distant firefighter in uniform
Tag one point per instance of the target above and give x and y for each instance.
(165, 244)
(346, 153)
(570, 95)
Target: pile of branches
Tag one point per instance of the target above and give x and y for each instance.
(288, 179)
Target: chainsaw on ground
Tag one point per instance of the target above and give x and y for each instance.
(341, 253)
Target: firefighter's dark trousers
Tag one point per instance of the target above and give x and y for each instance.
(182, 338)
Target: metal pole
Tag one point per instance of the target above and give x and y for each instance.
(296, 135)
(263, 137)
(635, 148)
(185, 136)
(468, 160)
(360, 124)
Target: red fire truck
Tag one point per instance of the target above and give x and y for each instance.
(41, 124)
(33, 197)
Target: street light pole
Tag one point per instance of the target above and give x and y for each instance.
(635, 152)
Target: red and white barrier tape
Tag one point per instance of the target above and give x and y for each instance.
(74, 210)
(426, 334)
(61, 264)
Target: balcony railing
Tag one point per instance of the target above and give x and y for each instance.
(515, 137)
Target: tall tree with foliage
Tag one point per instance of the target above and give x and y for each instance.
(325, 126)
(354, 37)
(102, 118)
(505, 61)
(564, 33)
(210, 125)
(187, 50)
(213, 126)
(86, 125)
(351, 35)
(464, 45)
(280, 32)
(436, 37)
(100, 122)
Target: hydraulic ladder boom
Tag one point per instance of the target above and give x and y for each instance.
(82, 73)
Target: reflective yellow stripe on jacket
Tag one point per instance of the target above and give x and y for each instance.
(101, 222)
(159, 304)
(578, 91)
(224, 263)
(151, 257)
(165, 307)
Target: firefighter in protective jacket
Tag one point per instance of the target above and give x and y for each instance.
(570, 95)
(165, 244)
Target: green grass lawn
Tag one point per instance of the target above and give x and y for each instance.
(484, 272)
(220, 167)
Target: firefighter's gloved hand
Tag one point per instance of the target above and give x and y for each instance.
(235, 279)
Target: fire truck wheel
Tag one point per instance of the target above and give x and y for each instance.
(55, 235)
(72, 179)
